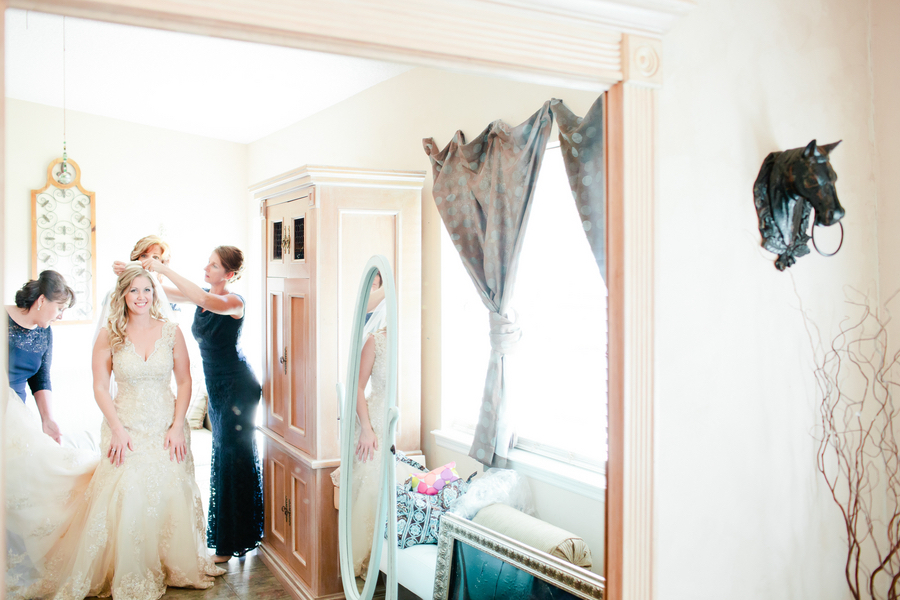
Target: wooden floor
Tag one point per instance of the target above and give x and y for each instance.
(247, 578)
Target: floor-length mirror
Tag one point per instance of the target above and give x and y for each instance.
(201, 141)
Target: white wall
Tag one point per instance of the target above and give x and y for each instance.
(741, 511)
(886, 131)
(148, 181)
(383, 127)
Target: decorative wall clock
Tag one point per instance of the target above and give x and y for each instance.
(63, 235)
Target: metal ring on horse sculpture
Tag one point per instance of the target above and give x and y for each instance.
(817, 247)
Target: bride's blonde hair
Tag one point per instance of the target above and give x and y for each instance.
(118, 309)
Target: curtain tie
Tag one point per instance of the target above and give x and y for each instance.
(505, 333)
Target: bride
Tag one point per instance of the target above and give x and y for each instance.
(134, 523)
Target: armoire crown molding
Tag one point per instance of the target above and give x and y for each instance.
(340, 176)
(575, 43)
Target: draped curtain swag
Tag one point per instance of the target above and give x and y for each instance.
(581, 143)
(483, 191)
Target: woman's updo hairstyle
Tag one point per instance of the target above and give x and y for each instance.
(232, 260)
(147, 242)
(49, 284)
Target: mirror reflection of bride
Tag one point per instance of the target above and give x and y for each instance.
(367, 458)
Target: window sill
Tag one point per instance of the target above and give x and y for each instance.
(578, 480)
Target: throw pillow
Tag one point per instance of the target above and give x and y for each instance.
(432, 482)
(196, 412)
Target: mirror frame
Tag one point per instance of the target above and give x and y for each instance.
(558, 573)
(386, 507)
(620, 41)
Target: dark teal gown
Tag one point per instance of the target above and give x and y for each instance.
(235, 496)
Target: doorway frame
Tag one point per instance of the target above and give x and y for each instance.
(612, 46)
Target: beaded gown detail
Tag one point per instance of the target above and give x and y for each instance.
(235, 487)
(79, 527)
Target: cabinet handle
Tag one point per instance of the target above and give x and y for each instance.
(286, 510)
(284, 360)
(286, 244)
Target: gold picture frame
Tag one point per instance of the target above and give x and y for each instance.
(63, 237)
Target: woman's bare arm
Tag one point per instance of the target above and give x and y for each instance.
(175, 441)
(229, 304)
(368, 442)
(101, 365)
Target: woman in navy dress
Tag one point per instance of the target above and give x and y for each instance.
(38, 303)
(236, 502)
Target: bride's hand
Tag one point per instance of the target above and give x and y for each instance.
(119, 441)
(175, 443)
(367, 444)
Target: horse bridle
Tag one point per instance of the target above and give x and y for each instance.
(813, 236)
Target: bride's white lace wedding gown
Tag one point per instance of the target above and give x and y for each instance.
(367, 475)
(77, 526)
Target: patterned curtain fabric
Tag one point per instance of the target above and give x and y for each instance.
(581, 142)
(483, 190)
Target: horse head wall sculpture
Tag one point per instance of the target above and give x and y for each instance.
(790, 184)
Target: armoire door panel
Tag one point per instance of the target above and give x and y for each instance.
(362, 234)
(275, 475)
(276, 230)
(301, 413)
(287, 229)
(300, 544)
(300, 217)
(276, 384)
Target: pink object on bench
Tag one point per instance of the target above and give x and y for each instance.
(432, 482)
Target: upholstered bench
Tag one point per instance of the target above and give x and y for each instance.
(417, 565)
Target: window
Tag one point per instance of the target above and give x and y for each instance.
(557, 378)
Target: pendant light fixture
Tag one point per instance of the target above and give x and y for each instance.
(65, 176)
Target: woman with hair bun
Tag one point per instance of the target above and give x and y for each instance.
(235, 503)
(38, 303)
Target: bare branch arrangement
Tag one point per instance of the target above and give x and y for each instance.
(858, 455)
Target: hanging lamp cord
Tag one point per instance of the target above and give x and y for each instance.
(64, 87)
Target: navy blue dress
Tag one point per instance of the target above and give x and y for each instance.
(235, 486)
(30, 355)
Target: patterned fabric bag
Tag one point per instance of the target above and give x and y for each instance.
(419, 515)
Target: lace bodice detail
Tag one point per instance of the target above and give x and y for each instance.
(144, 402)
(30, 356)
(378, 388)
(37, 340)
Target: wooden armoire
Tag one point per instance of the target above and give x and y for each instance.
(320, 225)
